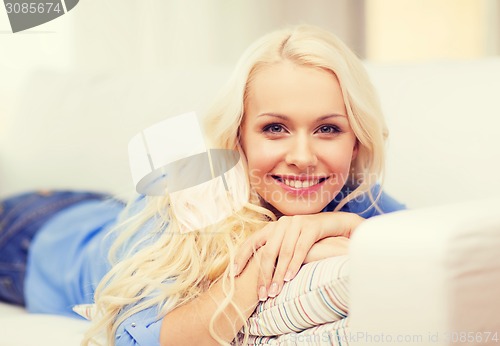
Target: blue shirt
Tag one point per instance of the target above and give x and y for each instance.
(68, 258)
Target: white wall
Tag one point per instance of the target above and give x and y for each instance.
(46, 46)
(140, 35)
(422, 30)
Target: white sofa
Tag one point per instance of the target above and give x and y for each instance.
(430, 272)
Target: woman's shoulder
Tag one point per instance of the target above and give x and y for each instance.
(369, 204)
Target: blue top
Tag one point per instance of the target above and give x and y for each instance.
(68, 259)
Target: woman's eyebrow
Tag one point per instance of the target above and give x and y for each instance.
(284, 117)
(333, 115)
(275, 115)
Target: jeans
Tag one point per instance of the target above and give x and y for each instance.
(21, 217)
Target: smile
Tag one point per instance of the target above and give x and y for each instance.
(299, 183)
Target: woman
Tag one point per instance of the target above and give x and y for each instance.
(303, 114)
(301, 110)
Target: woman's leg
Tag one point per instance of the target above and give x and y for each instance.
(21, 217)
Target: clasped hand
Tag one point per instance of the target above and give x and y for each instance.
(282, 246)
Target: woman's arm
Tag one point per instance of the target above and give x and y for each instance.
(189, 323)
(328, 247)
(285, 244)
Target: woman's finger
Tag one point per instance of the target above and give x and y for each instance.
(305, 242)
(248, 249)
(268, 255)
(305, 233)
(286, 252)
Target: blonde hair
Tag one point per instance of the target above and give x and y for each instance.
(168, 268)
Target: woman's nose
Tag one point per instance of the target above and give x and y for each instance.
(301, 153)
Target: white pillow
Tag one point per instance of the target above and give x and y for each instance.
(87, 311)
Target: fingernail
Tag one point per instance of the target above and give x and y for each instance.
(273, 291)
(262, 293)
(288, 276)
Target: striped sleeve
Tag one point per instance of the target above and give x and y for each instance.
(317, 295)
(332, 334)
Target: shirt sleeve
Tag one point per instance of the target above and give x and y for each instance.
(140, 329)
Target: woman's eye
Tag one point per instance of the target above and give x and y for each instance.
(329, 129)
(274, 128)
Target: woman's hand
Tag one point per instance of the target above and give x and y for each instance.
(286, 244)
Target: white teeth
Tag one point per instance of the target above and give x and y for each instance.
(297, 184)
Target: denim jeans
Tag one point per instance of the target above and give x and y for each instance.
(21, 217)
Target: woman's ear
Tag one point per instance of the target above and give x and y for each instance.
(355, 150)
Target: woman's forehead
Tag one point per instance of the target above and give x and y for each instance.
(287, 87)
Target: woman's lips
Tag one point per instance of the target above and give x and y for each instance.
(300, 184)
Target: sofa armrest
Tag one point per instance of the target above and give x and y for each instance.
(427, 276)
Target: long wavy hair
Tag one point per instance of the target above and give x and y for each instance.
(167, 267)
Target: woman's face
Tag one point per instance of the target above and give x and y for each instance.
(296, 137)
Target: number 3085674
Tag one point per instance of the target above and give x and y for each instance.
(32, 7)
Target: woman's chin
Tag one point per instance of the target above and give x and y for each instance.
(290, 209)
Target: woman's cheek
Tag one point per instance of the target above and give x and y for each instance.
(267, 153)
(339, 163)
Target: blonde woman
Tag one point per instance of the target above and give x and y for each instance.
(303, 115)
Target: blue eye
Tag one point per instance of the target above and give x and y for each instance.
(274, 128)
(329, 129)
